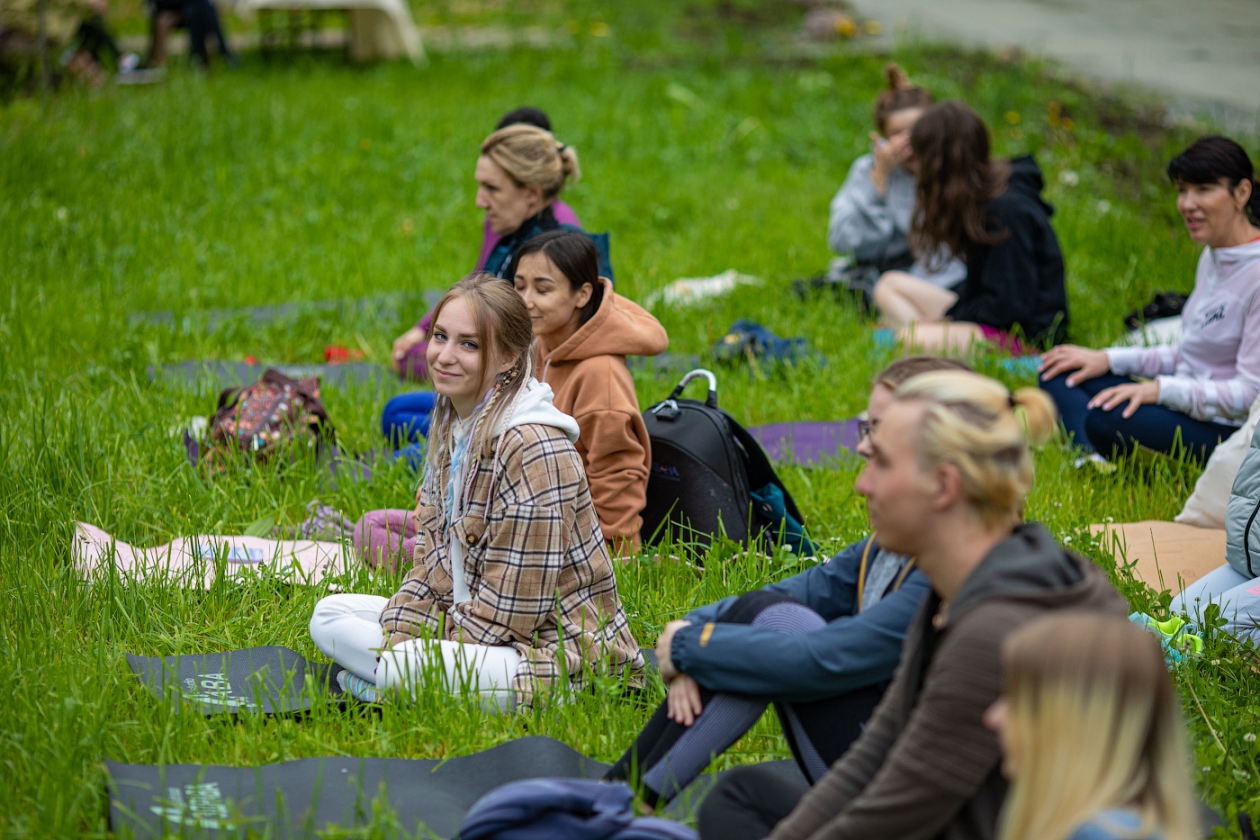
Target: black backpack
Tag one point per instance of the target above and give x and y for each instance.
(710, 476)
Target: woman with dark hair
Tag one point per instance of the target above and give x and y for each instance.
(871, 214)
(1198, 392)
(585, 330)
(990, 214)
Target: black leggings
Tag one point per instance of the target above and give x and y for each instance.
(668, 756)
(747, 803)
(201, 19)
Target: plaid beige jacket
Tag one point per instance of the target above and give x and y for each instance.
(536, 565)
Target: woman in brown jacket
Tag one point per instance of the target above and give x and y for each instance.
(948, 469)
(512, 587)
(585, 330)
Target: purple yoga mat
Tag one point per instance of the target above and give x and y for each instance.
(807, 443)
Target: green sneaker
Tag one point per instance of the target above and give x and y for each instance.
(1174, 635)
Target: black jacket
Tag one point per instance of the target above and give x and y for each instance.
(1019, 280)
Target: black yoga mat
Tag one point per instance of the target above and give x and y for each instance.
(296, 799)
(219, 375)
(371, 307)
(271, 680)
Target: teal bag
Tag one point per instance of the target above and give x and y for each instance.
(771, 507)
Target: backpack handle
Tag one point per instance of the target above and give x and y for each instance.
(710, 400)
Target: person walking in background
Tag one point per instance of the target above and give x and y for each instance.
(200, 18)
(1199, 391)
(990, 214)
(872, 213)
(585, 330)
(1092, 737)
(820, 645)
(948, 470)
(512, 592)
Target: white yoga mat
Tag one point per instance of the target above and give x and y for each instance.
(195, 561)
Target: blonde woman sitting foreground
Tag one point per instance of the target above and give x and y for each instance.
(512, 584)
(947, 471)
(1092, 736)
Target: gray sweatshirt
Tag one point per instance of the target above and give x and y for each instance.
(870, 226)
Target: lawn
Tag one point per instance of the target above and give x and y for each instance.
(709, 140)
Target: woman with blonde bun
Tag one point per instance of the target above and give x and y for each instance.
(520, 172)
(948, 469)
(1092, 737)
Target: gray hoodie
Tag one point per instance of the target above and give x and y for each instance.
(871, 226)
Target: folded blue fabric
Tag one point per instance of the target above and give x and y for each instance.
(568, 809)
(747, 338)
(653, 828)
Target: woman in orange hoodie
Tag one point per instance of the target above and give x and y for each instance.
(585, 330)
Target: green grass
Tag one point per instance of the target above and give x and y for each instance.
(708, 141)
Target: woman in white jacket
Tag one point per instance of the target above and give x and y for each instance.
(1197, 393)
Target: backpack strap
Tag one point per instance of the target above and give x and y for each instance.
(866, 556)
(901, 578)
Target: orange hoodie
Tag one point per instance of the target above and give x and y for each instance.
(593, 385)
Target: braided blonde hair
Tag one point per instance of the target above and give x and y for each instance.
(503, 331)
(533, 157)
(976, 424)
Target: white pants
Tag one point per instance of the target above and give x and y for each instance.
(347, 629)
(1237, 595)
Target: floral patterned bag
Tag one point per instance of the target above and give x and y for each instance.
(259, 418)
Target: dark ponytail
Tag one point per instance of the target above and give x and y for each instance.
(1211, 158)
(575, 255)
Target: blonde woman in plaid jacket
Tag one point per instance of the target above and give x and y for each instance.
(512, 591)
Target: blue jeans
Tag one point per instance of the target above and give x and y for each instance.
(406, 417)
(1153, 426)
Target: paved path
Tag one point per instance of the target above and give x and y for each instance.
(1202, 54)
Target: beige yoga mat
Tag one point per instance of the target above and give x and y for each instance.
(196, 561)
(1176, 553)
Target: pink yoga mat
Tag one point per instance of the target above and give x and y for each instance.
(193, 561)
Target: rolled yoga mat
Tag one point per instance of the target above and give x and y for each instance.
(299, 798)
(271, 680)
(808, 443)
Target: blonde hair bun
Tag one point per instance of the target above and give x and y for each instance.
(1041, 419)
(976, 424)
(533, 157)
